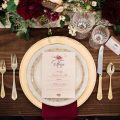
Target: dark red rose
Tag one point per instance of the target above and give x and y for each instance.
(53, 16)
(111, 11)
(29, 9)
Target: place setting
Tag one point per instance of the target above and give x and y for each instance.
(62, 74)
(58, 74)
(48, 79)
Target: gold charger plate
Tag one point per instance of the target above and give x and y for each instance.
(58, 40)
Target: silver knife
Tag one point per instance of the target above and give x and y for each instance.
(99, 71)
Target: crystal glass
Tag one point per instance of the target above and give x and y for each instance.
(99, 36)
(83, 23)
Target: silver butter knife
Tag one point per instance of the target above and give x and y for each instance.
(99, 71)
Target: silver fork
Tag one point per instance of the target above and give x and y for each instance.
(2, 71)
(14, 65)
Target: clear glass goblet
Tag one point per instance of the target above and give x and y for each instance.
(99, 36)
(83, 23)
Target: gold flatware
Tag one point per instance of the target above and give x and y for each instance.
(2, 71)
(100, 72)
(110, 71)
(14, 65)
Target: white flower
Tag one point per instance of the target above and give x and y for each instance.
(4, 5)
(73, 0)
(94, 3)
(62, 18)
(70, 0)
(59, 9)
(16, 2)
(57, 1)
(72, 30)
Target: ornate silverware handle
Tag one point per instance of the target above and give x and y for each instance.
(2, 88)
(14, 91)
(99, 93)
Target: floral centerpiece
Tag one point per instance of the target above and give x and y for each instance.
(21, 15)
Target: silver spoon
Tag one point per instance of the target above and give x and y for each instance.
(110, 71)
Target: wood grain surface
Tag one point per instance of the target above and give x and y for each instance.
(9, 43)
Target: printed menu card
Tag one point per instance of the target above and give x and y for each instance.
(58, 75)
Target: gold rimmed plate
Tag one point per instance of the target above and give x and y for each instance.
(34, 77)
(63, 41)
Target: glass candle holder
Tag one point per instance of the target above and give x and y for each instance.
(83, 23)
(99, 36)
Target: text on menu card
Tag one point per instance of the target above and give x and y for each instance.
(58, 75)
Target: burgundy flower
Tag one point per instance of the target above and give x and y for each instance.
(111, 11)
(53, 16)
(29, 9)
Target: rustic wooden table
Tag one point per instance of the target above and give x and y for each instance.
(92, 107)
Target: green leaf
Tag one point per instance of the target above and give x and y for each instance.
(62, 23)
(3, 20)
(13, 28)
(11, 6)
(3, 17)
(23, 35)
(49, 32)
(82, 4)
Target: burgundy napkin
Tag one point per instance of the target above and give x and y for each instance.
(68, 112)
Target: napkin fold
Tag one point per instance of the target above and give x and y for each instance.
(68, 112)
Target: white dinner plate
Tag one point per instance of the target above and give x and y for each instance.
(28, 60)
(34, 76)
